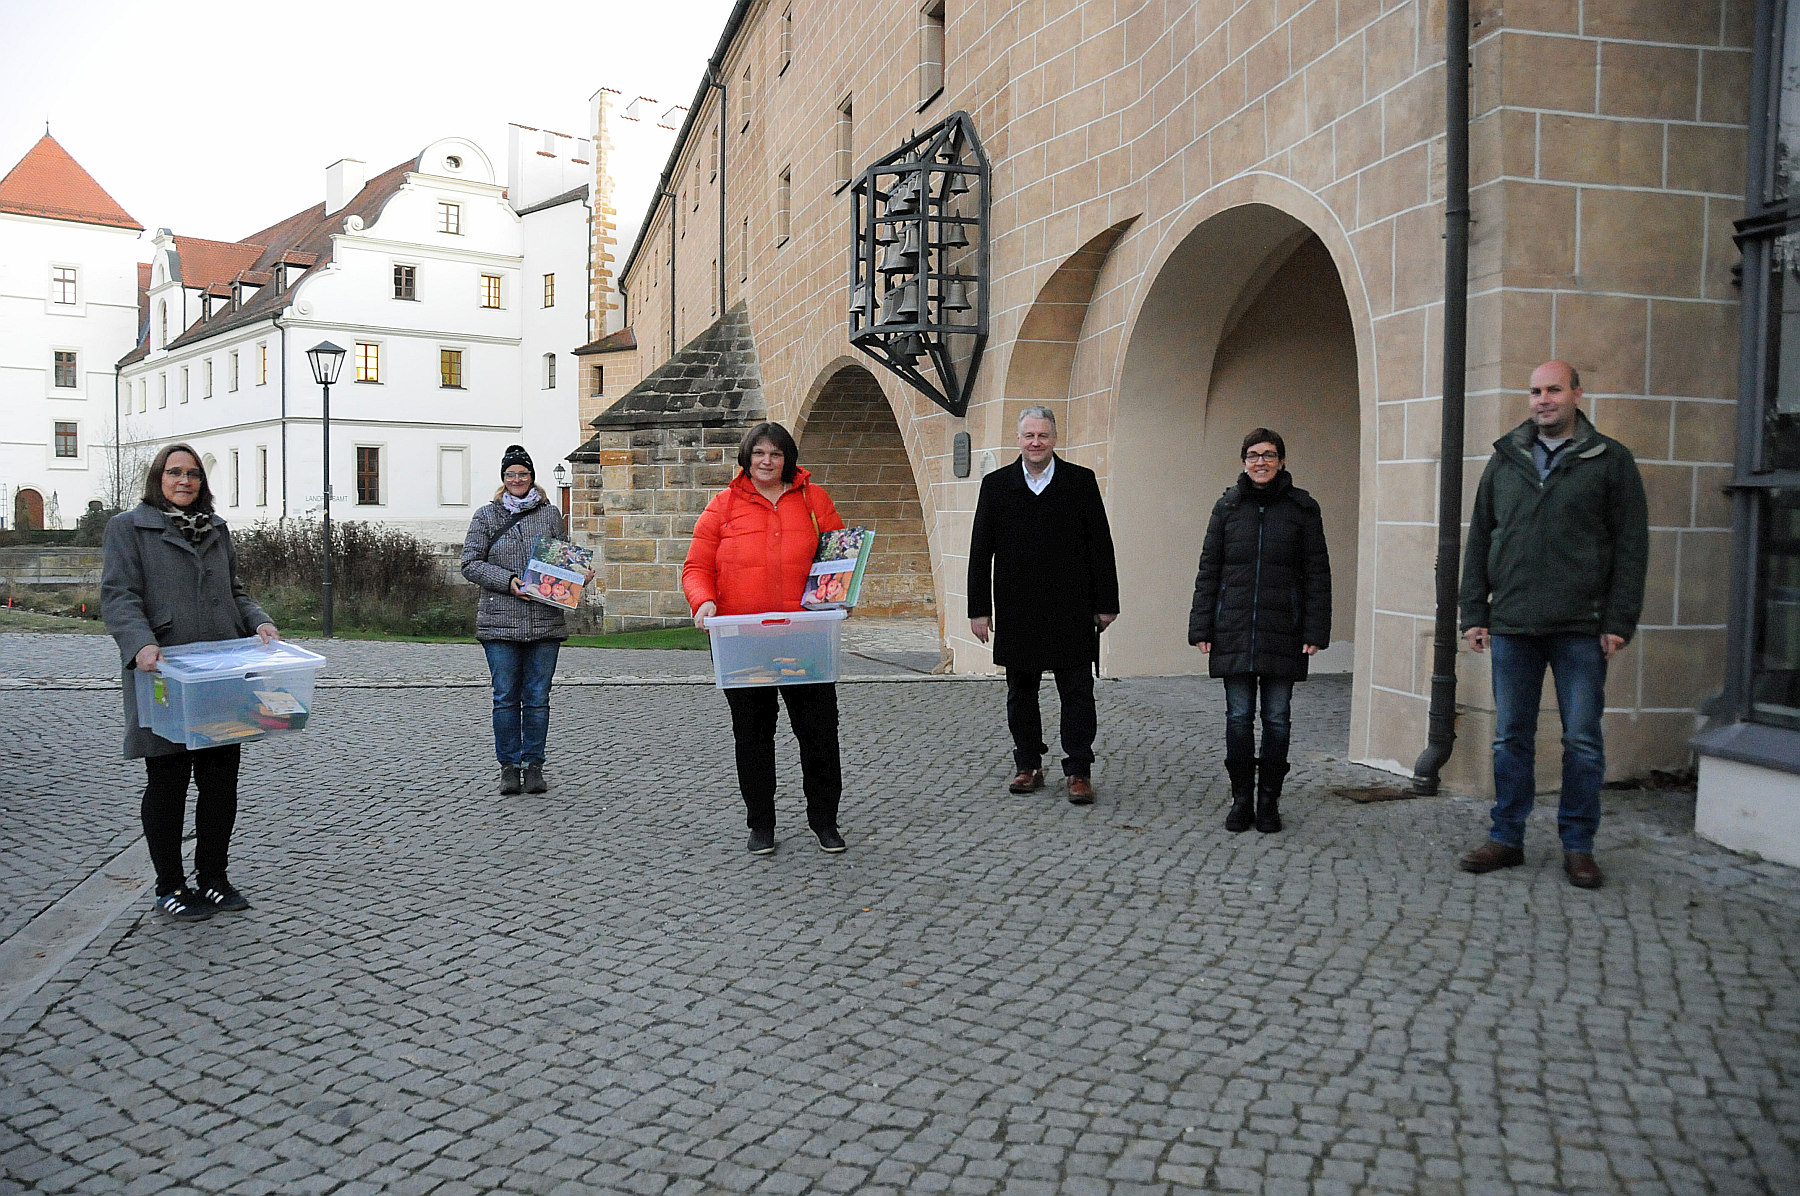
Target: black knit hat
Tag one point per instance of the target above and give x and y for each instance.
(516, 455)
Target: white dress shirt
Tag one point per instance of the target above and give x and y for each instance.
(1037, 482)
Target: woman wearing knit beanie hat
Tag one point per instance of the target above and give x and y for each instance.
(521, 638)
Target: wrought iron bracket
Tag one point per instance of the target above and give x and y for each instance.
(919, 268)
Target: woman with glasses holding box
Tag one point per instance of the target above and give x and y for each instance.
(1262, 608)
(169, 576)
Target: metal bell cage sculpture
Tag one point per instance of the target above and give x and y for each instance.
(919, 274)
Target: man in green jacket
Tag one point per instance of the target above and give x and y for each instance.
(1553, 577)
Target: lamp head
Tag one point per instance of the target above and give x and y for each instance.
(326, 360)
(562, 475)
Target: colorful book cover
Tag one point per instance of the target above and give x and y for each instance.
(556, 574)
(835, 579)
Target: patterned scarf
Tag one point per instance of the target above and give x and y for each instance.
(191, 524)
(515, 505)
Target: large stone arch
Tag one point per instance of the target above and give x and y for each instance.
(852, 444)
(1251, 308)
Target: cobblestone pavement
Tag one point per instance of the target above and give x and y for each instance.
(598, 990)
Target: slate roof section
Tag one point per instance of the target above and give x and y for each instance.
(47, 182)
(715, 381)
(303, 235)
(566, 197)
(613, 342)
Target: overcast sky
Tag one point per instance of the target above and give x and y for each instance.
(218, 119)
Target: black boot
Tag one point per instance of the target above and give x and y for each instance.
(510, 780)
(1243, 794)
(1268, 795)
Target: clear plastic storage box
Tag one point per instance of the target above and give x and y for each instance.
(790, 647)
(228, 691)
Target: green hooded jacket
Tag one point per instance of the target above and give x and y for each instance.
(1561, 555)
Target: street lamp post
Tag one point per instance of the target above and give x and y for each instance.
(562, 489)
(326, 360)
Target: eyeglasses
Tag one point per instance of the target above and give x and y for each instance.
(515, 476)
(192, 475)
(1262, 456)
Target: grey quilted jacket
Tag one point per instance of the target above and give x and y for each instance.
(491, 560)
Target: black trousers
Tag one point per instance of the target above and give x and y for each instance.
(813, 713)
(215, 774)
(1075, 686)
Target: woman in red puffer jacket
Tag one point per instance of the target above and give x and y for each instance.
(751, 551)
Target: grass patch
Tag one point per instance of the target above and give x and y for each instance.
(687, 639)
(18, 619)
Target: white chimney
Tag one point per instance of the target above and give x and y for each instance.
(343, 180)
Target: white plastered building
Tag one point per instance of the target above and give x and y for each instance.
(68, 311)
(456, 299)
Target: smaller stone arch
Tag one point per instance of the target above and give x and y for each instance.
(1043, 354)
(851, 444)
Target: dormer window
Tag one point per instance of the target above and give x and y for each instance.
(162, 322)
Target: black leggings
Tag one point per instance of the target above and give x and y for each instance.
(215, 773)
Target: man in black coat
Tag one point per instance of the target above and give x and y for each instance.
(1042, 579)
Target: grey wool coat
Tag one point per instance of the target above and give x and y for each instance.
(156, 588)
(493, 554)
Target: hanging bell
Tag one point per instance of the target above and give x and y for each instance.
(890, 306)
(909, 348)
(956, 297)
(954, 236)
(895, 260)
(959, 184)
(860, 297)
(903, 200)
(909, 302)
(909, 246)
(886, 232)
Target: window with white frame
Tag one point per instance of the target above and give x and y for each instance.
(162, 390)
(206, 379)
(262, 475)
(449, 217)
(368, 475)
(490, 290)
(162, 322)
(184, 384)
(406, 280)
(63, 287)
(549, 371)
(549, 290)
(368, 361)
(450, 369)
(232, 371)
(236, 480)
(453, 477)
(262, 363)
(64, 373)
(143, 389)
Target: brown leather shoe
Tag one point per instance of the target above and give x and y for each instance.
(1583, 873)
(1081, 791)
(1492, 855)
(1028, 780)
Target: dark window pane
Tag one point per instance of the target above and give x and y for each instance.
(65, 369)
(1786, 178)
(1776, 682)
(368, 475)
(1781, 413)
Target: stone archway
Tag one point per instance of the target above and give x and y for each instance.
(852, 446)
(28, 510)
(1246, 324)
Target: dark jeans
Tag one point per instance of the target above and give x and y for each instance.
(215, 773)
(1578, 665)
(1075, 686)
(1240, 717)
(813, 713)
(522, 673)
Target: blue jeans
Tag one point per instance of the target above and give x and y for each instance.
(1240, 717)
(522, 673)
(1578, 666)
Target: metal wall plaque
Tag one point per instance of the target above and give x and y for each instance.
(959, 454)
(919, 268)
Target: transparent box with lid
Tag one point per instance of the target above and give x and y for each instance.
(790, 647)
(228, 691)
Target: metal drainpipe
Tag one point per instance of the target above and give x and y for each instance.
(118, 453)
(1441, 733)
(284, 418)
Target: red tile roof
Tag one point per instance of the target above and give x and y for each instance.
(205, 262)
(47, 182)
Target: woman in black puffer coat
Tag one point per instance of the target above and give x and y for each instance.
(1262, 605)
